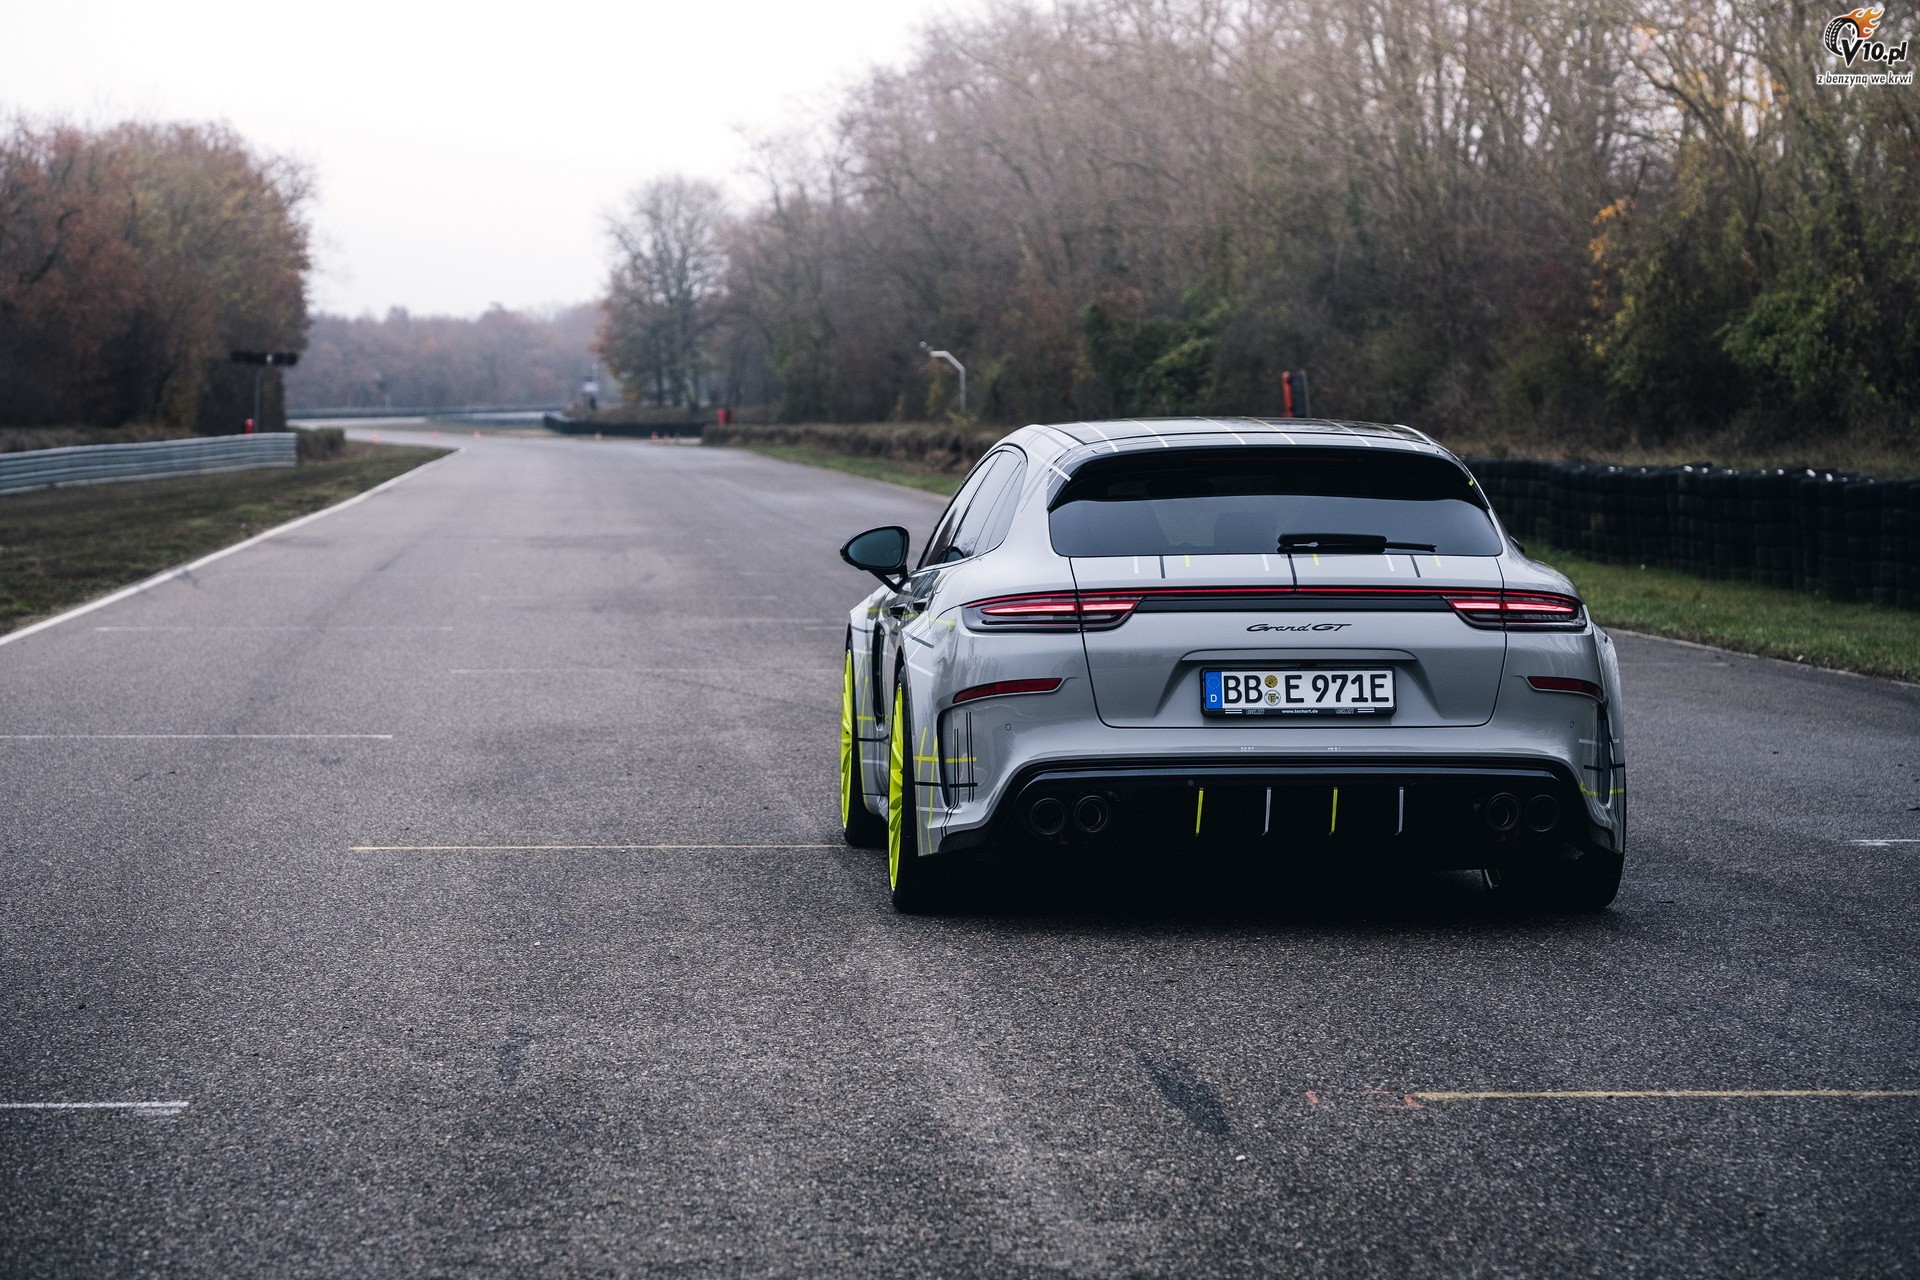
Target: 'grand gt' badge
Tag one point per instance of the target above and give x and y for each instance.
(1305, 626)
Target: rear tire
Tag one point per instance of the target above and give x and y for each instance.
(861, 828)
(1587, 883)
(919, 884)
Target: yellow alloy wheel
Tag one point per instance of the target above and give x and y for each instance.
(847, 743)
(897, 783)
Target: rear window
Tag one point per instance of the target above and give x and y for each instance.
(1243, 502)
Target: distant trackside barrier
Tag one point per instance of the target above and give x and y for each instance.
(1846, 537)
(97, 463)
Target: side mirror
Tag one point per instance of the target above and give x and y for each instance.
(881, 552)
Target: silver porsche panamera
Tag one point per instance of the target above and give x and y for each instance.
(1303, 641)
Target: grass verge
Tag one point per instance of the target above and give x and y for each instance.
(1869, 639)
(888, 469)
(63, 547)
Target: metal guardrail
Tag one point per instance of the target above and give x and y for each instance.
(99, 463)
(425, 411)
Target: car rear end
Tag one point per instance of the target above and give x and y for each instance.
(1325, 650)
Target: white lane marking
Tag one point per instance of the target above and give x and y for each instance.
(1500, 1095)
(1883, 843)
(270, 628)
(159, 578)
(195, 737)
(564, 848)
(167, 1108)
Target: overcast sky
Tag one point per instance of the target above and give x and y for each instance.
(466, 153)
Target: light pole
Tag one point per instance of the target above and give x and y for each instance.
(961, 369)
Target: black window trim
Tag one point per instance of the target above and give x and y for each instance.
(979, 469)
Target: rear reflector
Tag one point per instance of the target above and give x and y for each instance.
(998, 687)
(1516, 610)
(1567, 684)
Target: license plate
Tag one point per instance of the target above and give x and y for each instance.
(1311, 691)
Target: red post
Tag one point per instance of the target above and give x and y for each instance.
(1286, 392)
(248, 429)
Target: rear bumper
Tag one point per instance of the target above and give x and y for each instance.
(1479, 812)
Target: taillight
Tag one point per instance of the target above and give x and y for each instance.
(1044, 685)
(1567, 684)
(1058, 611)
(1102, 611)
(1517, 610)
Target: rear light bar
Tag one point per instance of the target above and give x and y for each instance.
(1044, 685)
(1517, 610)
(1105, 610)
(1567, 684)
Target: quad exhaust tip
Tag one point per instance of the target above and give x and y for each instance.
(1092, 814)
(1502, 811)
(1047, 817)
(1543, 813)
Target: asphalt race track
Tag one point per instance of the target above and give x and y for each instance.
(457, 877)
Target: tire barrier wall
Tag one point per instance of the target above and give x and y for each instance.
(98, 463)
(1845, 537)
(642, 430)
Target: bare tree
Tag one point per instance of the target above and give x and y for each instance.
(1559, 215)
(663, 301)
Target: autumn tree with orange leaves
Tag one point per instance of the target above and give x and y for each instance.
(132, 260)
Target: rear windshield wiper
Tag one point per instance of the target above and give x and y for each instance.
(1353, 543)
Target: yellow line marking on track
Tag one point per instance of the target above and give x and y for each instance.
(616, 671)
(562, 848)
(1499, 1095)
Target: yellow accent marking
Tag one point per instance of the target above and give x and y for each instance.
(1496, 1095)
(1334, 823)
(1199, 807)
(1316, 557)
